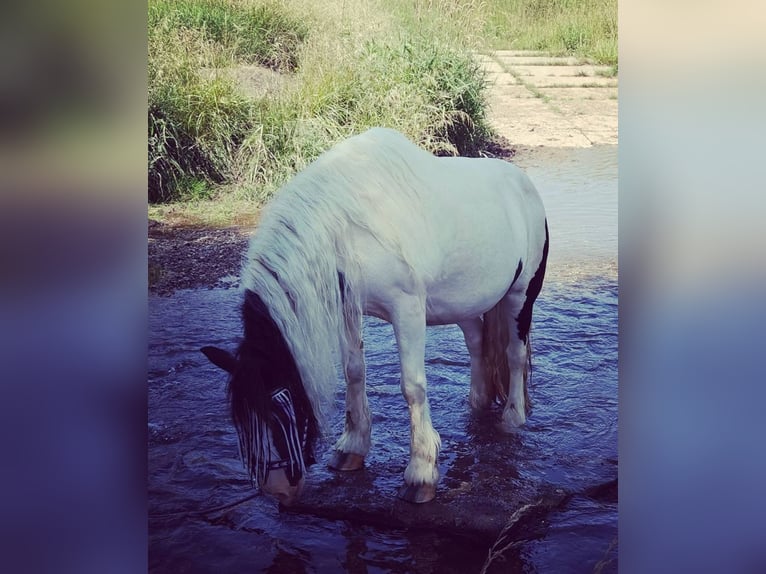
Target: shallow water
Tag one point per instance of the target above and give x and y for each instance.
(579, 189)
(569, 442)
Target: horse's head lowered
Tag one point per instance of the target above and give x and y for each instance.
(274, 419)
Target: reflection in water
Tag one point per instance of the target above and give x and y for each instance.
(569, 442)
(294, 560)
(356, 550)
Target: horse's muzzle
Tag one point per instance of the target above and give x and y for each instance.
(278, 486)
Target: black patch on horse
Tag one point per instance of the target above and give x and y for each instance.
(524, 320)
(265, 364)
(516, 275)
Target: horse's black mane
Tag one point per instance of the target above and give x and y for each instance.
(264, 365)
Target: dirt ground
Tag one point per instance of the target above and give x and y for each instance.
(184, 258)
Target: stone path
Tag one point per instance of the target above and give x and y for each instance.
(540, 100)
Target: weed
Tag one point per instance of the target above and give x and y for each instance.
(195, 124)
(254, 33)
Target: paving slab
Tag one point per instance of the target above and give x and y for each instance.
(585, 94)
(602, 130)
(585, 70)
(521, 60)
(571, 82)
(503, 79)
(492, 67)
(520, 53)
(536, 99)
(507, 95)
(532, 122)
(591, 109)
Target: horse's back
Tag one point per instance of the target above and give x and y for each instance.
(435, 201)
(477, 190)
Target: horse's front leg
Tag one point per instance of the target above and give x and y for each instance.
(354, 443)
(421, 474)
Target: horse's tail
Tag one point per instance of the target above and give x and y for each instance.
(496, 336)
(494, 342)
(533, 290)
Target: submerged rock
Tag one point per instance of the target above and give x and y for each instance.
(479, 508)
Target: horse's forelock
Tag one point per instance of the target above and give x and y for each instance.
(264, 366)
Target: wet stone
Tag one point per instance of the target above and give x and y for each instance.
(477, 510)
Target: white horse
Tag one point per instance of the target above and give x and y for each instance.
(378, 226)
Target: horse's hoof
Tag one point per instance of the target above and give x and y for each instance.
(512, 421)
(417, 493)
(346, 461)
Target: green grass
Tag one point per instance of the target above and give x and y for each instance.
(585, 28)
(225, 210)
(352, 68)
(194, 123)
(255, 33)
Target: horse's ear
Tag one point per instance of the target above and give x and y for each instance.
(220, 358)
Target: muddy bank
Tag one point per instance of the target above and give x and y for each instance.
(186, 258)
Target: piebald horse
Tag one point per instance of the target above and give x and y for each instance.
(377, 226)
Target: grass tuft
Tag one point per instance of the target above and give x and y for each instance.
(195, 123)
(585, 28)
(252, 33)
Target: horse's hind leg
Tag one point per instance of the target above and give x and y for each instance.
(516, 406)
(421, 474)
(481, 393)
(519, 353)
(520, 302)
(354, 443)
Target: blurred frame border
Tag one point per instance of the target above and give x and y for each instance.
(73, 262)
